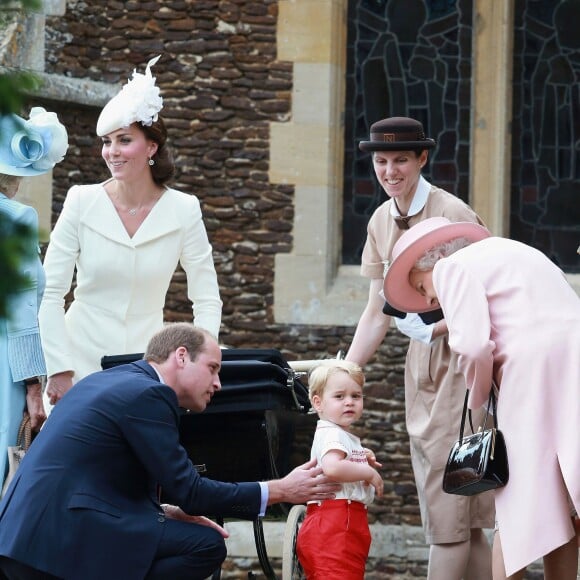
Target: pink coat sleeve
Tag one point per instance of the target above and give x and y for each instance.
(466, 309)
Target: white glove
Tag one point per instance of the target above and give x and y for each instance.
(413, 327)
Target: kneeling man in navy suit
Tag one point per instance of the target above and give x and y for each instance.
(84, 501)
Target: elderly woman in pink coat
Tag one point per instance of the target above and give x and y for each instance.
(513, 319)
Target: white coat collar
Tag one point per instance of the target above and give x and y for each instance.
(99, 214)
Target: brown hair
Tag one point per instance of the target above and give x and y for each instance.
(164, 167)
(320, 374)
(8, 182)
(171, 337)
(416, 150)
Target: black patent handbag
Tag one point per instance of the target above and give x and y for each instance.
(477, 462)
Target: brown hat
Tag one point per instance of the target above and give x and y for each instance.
(397, 134)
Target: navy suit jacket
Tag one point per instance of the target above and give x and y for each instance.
(84, 504)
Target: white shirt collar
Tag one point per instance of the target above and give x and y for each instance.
(419, 198)
(158, 374)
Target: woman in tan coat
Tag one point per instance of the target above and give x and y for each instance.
(434, 387)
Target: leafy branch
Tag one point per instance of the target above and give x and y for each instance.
(15, 246)
(14, 238)
(15, 84)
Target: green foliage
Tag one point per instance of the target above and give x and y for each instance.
(15, 85)
(21, 4)
(14, 247)
(13, 89)
(14, 239)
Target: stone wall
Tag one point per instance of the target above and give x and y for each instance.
(223, 85)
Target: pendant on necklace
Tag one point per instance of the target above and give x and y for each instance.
(133, 211)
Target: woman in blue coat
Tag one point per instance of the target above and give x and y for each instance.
(27, 148)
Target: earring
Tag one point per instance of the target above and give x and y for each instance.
(151, 161)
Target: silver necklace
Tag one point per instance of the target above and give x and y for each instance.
(133, 211)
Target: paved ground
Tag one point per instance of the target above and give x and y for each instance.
(397, 553)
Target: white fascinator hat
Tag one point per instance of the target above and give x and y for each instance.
(138, 101)
(33, 146)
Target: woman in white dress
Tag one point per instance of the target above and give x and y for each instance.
(125, 238)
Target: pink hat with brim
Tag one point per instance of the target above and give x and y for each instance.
(411, 246)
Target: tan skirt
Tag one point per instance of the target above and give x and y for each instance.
(434, 395)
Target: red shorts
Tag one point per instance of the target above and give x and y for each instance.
(334, 540)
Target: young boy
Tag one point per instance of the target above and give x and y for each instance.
(334, 540)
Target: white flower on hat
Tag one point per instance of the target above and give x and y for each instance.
(142, 92)
(138, 101)
(54, 135)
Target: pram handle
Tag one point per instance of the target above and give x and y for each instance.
(305, 366)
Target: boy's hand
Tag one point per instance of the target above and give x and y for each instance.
(377, 482)
(372, 459)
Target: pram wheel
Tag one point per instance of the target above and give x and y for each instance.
(291, 568)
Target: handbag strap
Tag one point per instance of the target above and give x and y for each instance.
(490, 402)
(24, 433)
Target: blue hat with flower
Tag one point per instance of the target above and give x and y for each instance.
(31, 147)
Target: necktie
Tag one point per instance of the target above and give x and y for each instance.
(402, 222)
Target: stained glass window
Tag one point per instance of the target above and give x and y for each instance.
(545, 189)
(405, 58)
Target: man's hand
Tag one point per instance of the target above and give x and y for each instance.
(305, 483)
(413, 327)
(57, 386)
(175, 513)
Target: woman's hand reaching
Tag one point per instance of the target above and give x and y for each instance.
(58, 385)
(34, 406)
